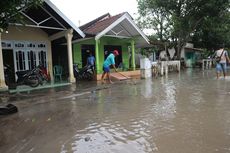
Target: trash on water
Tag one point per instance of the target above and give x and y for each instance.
(8, 109)
(87, 138)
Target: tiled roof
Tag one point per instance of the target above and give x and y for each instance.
(98, 26)
(87, 25)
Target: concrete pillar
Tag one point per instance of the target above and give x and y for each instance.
(69, 36)
(133, 55)
(50, 62)
(97, 56)
(2, 78)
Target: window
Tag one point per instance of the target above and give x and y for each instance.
(42, 58)
(20, 60)
(29, 54)
(31, 59)
(7, 45)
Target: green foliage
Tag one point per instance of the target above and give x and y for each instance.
(10, 10)
(148, 51)
(178, 21)
(207, 53)
(155, 18)
(213, 32)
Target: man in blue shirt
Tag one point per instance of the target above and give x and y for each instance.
(110, 60)
(91, 60)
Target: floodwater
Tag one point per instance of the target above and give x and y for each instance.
(182, 113)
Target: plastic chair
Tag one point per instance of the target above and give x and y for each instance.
(57, 72)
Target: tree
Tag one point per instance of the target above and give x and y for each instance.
(182, 18)
(153, 17)
(213, 32)
(10, 11)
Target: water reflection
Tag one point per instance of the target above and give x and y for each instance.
(146, 88)
(181, 113)
(165, 107)
(103, 138)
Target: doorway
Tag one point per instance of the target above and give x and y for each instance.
(8, 59)
(109, 49)
(60, 59)
(85, 52)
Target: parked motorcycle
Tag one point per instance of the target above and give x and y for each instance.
(86, 73)
(31, 78)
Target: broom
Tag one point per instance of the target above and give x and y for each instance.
(127, 77)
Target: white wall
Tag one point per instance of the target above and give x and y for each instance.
(22, 33)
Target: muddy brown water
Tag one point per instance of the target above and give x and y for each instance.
(182, 113)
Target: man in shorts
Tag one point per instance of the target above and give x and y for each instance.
(110, 60)
(221, 66)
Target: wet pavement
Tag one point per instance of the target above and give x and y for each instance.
(182, 113)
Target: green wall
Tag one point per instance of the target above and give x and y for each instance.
(190, 58)
(77, 50)
(124, 43)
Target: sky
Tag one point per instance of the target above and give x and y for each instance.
(83, 11)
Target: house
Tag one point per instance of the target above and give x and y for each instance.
(192, 56)
(107, 33)
(47, 38)
(39, 41)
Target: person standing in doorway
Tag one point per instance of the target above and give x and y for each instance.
(110, 60)
(221, 66)
(91, 61)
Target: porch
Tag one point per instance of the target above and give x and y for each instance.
(28, 89)
(25, 46)
(131, 74)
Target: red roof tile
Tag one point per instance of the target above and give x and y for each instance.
(101, 25)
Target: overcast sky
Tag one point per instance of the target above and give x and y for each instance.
(83, 11)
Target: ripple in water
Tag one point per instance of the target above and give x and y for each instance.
(112, 138)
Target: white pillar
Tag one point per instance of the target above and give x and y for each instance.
(162, 68)
(2, 78)
(50, 61)
(178, 66)
(133, 55)
(202, 64)
(166, 68)
(69, 36)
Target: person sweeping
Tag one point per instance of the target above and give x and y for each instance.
(110, 60)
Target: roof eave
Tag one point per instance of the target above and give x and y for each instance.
(65, 18)
(119, 20)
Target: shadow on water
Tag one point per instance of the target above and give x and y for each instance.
(178, 113)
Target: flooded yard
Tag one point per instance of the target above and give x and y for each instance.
(182, 113)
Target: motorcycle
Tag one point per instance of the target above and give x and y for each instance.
(86, 73)
(31, 78)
